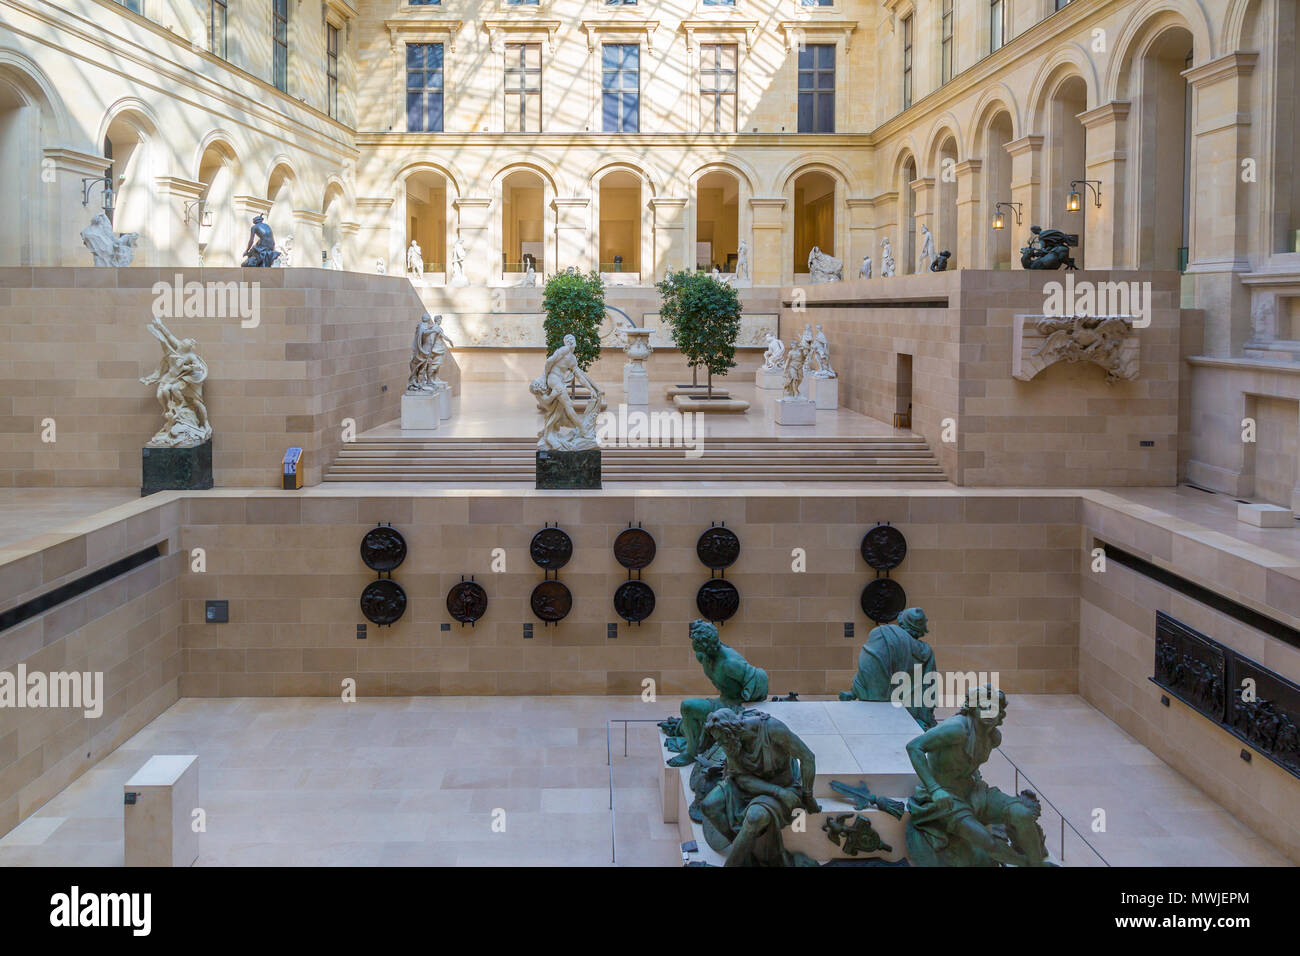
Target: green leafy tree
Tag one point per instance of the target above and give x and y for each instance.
(704, 315)
(575, 305)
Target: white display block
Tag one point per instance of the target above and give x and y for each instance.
(770, 378)
(159, 823)
(419, 410)
(795, 411)
(444, 402)
(805, 387)
(826, 393)
(1266, 516)
(638, 387)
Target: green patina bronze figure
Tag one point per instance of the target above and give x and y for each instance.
(896, 649)
(855, 833)
(956, 818)
(738, 682)
(768, 774)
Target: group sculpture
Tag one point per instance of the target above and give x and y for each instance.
(807, 355)
(107, 248)
(428, 350)
(824, 268)
(886, 258)
(564, 428)
(774, 357)
(1048, 249)
(179, 382)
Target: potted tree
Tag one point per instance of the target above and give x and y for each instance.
(574, 305)
(704, 315)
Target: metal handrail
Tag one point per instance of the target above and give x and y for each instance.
(1041, 796)
(609, 760)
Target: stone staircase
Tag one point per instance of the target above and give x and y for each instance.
(880, 458)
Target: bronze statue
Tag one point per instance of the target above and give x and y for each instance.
(953, 811)
(261, 252)
(1048, 249)
(768, 774)
(854, 833)
(738, 683)
(940, 264)
(891, 650)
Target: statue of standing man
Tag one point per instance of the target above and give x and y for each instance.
(738, 683)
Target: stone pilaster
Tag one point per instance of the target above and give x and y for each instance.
(669, 236)
(175, 222)
(923, 191)
(309, 239)
(1106, 161)
(1026, 174)
(767, 258)
(862, 235)
(57, 238)
(572, 233)
(474, 227)
(972, 234)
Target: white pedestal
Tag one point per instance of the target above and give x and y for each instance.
(159, 830)
(805, 387)
(419, 410)
(769, 378)
(826, 393)
(444, 402)
(795, 411)
(1266, 516)
(638, 387)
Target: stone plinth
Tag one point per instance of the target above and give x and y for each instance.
(161, 797)
(672, 391)
(700, 403)
(444, 401)
(1266, 516)
(770, 378)
(637, 383)
(568, 469)
(420, 410)
(795, 411)
(176, 469)
(826, 393)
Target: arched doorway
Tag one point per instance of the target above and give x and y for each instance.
(523, 223)
(21, 140)
(717, 221)
(814, 217)
(218, 169)
(1065, 161)
(944, 221)
(996, 187)
(426, 218)
(279, 190)
(619, 230)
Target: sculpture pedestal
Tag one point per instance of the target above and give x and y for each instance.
(419, 410)
(637, 383)
(568, 469)
(444, 401)
(157, 827)
(826, 393)
(176, 469)
(770, 378)
(796, 411)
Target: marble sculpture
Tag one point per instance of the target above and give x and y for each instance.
(108, 248)
(415, 260)
(428, 351)
(886, 258)
(774, 357)
(824, 268)
(179, 379)
(563, 428)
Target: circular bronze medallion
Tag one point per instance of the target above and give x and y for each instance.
(634, 601)
(467, 601)
(383, 601)
(717, 599)
(551, 549)
(383, 549)
(718, 548)
(551, 601)
(884, 547)
(634, 548)
(883, 600)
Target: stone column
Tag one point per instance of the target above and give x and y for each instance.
(669, 237)
(375, 235)
(1220, 230)
(246, 207)
(352, 260)
(972, 234)
(862, 236)
(309, 239)
(769, 230)
(1107, 147)
(57, 239)
(474, 226)
(923, 191)
(175, 221)
(572, 237)
(886, 208)
(1026, 176)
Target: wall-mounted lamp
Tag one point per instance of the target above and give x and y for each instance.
(1075, 202)
(88, 183)
(1000, 219)
(198, 211)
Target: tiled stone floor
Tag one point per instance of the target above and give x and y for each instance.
(415, 781)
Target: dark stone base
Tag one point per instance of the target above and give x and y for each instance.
(568, 469)
(176, 469)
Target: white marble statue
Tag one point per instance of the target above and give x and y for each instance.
(381, 267)
(336, 257)
(719, 276)
(563, 429)
(821, 349)
(458, 254)
(428, 351)
(824, 268)
(796, 362)
(106, 247)
(179, 377)
(529, 279)
(285, 259)
(864, 270)
(742, 262)
(415, 260)
(774, 357)
(886, 258)
(927, 249)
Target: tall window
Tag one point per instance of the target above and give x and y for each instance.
(620, 87)
(218, 14)
(332, 69)
(424, 87)
(718, 87)
(523, 87)
(1061, 3)
(945, 43)
(132, 5)
(817, 88)
(280, 41)
(907, 62)
(424, 3)
(997, 16)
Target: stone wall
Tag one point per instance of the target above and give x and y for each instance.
(328, 346)
(1066, 427)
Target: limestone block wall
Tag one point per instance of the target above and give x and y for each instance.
(1117, 653)
(327, 346)
(1065, 427)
